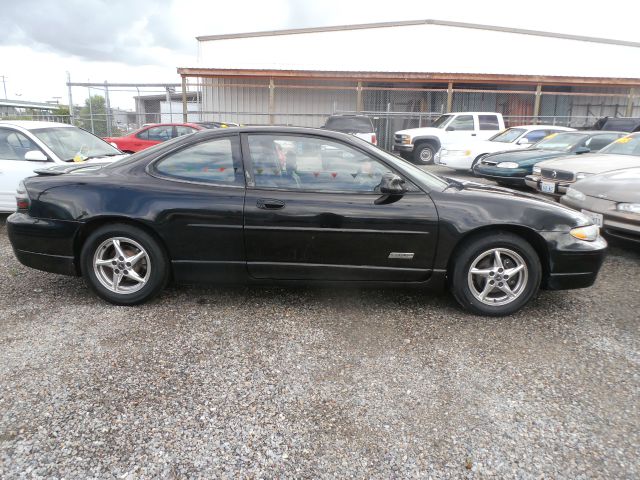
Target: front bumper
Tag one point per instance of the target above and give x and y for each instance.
(403, 147)
(453, 161)
(572, 263)
(511, 176)
(535, 182)
(43, 244)
(614, 223)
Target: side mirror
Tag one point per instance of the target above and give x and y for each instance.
(581, 150)
(450, 129)
(392, 184)
(523, 141)
(35, 156)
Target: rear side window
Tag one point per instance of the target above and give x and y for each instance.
(489, 122)
(216, 161)
(598, 142)
(349, 124)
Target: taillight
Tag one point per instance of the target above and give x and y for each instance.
(374, 140)
(22, 197)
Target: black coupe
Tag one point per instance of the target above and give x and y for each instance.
(295, 205)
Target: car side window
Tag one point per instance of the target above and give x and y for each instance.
(160, 134)
(215, 161)
(535, 135)
(143, 135)
(14, 145)
(314, 164)
(461, 122)
(488, 122)
(598, 142)
(183, 130)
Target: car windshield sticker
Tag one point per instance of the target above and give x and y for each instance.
(623, 140)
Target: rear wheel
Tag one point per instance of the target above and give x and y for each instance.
(424, 153)
(496, 274)
(123, 264)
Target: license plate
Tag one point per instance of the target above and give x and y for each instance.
(596, 218)
(548, 187)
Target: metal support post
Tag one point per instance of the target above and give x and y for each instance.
(108, 105)
(185, 112)
(449, 97)
(536, 105)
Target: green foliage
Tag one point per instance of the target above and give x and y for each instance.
(94, 106)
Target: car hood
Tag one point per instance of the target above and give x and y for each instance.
(528, 156)
(618, 185)
(418, 132)
(592, 163)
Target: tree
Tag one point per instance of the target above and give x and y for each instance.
(94, 107)
(61, 114)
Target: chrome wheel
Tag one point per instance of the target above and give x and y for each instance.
(121, 265)
(498, 276)
(426, 155)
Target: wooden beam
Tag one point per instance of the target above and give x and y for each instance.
(410, 77)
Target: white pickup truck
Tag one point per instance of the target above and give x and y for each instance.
(421, 144)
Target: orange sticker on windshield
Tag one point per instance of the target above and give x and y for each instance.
(623, 140)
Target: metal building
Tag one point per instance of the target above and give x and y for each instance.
(402, 74)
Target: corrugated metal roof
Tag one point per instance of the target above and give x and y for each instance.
(423, 46)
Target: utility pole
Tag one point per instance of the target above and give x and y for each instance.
(71, 115)
(4, 84)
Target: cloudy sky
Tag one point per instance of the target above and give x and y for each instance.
(146, 40)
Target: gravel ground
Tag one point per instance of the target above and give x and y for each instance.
(317, 382)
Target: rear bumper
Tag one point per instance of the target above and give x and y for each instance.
(43, 244)
(572, 263)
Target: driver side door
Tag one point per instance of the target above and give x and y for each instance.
(312, 211)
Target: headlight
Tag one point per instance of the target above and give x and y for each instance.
(576, 194)
(629, 207)
(537, 170)
(508, 165)
(581, 175)
(406, 139)
(588, 233)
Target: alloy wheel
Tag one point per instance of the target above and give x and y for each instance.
(122, 265)
(498, 276)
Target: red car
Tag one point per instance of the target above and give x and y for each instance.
(152, 135)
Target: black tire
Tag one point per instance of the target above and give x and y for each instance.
(423, 154)
(155, 260)
(478, 160)
(526, 283)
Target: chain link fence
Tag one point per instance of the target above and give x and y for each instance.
(308, 103)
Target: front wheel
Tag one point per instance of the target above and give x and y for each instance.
(123, 264)
(496, 274)
(424, 154)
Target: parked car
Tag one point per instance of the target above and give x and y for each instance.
(28, 145)
(358, 125)
(511, 168)
(421, 144)
(202, 209)
(464, 155)
(151, 135)
(620, 124)
(555, 176)
(611, 200)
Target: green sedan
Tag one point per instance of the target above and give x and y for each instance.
(510, 168)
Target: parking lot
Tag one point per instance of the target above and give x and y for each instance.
(269, 382)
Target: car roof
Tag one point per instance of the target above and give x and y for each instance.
(33, 124)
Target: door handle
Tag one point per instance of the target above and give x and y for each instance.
(473, 134)
(270, 204)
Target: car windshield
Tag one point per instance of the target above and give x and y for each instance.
(349, 124)
(69, 142)
(431, 181)
(509, 135)
(560, 141)
(624, 146)
(441, 120)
